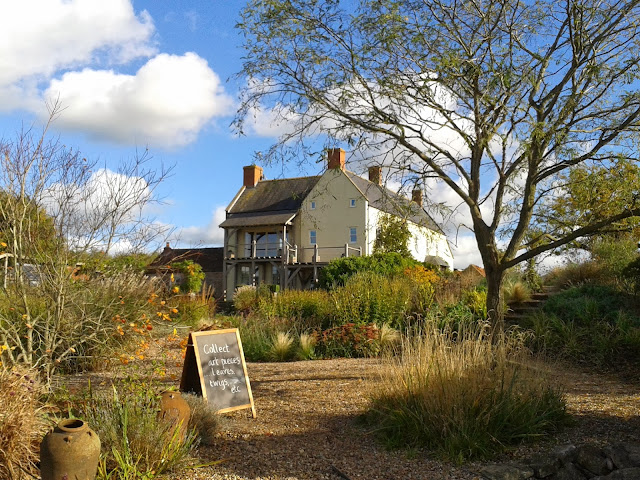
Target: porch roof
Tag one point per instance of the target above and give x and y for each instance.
(258, 219)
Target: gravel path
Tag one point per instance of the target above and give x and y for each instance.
(307, 426)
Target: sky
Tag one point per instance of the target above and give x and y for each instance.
(160, 75)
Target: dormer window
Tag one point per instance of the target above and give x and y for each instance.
(352, 203)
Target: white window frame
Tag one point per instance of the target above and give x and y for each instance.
(313, 237)
(352, 202)
(313, 205)
(353, 234)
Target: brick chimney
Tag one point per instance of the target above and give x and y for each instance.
(336, 158)
(252, 175)
(375, 175)
(416, 196)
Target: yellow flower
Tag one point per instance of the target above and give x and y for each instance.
(174, 310)
(175, 289)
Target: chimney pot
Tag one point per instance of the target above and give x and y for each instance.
(375, 175)
(416, 196)
(252, 175)
(336, 158)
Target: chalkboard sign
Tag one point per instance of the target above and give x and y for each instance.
(214, 367)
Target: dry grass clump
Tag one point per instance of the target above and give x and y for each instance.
(281, 347)
(464, 394)
(204, 419)
(517, 292)
(306, 347)
(22, 423)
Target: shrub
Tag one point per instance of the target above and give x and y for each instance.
(80, 326)
(370, 298)
(192, 275)
(306, 309)
(385, 264)
(135, 444)
(590, 324)
(204, 419)
(463, 395)
(22, 423)
(349, 340)
(245, 298)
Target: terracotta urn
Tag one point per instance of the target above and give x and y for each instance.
(176, 410)
(70, 452)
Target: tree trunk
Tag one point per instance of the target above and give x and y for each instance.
(495, 302)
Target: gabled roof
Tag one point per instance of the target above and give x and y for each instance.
(283, 195)
(276, 202)
(390, 202)
(210, 259)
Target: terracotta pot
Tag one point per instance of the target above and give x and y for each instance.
(70, 452)
(175, 409)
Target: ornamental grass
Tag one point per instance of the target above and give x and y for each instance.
(465, 394)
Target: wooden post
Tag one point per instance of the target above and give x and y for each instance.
(346, 249)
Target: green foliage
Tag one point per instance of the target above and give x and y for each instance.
(590, 324)
(370, 298)
(386, 264)
(464, 395)
(595, 192)
(192, 275)
(135, 444)
(393, 236)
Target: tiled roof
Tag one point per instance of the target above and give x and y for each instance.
(210, 259)
(284, 195)
(390, 202)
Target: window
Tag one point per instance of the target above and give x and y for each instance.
(244, 275)
(353, 235)
(313, 205)
(312, 237)
(352, 202)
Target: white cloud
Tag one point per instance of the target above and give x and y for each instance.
(42, 36)
(75, 51)
(166, 103)
(465, 252)
(209, 234)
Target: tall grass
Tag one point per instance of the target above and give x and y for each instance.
(22, 423)
(464, 394)
(135, 443)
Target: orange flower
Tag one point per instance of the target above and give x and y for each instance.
(174, 310)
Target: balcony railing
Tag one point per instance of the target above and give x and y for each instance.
(292, 253)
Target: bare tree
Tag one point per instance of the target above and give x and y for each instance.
(493, 98)
(54, 207)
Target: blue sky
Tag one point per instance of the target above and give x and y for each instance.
(134, 74)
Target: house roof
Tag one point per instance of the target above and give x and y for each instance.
(282, 195)
(390, 202)
(474, 268)
(210, 259)
(276, 202)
